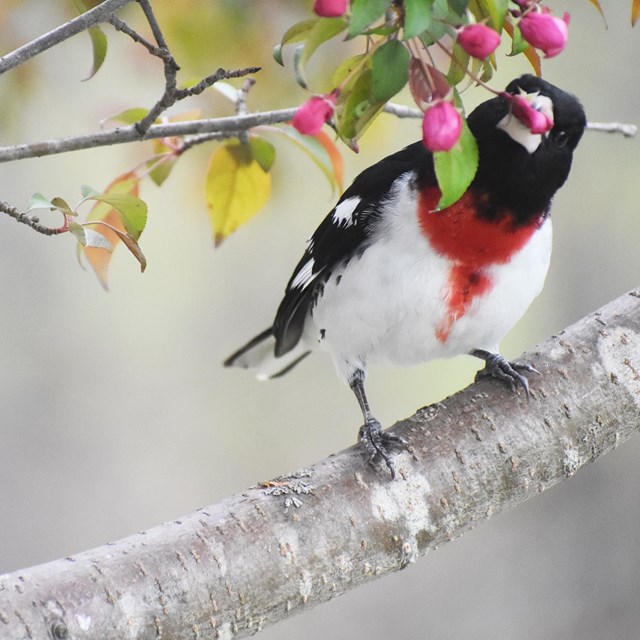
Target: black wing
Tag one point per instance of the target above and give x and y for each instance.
(337, 240)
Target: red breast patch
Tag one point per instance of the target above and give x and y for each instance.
(472, 243)
(458, 233)
(465, 284)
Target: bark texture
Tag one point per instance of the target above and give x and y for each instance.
(233, 568)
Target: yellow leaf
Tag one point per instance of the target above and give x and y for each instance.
(635, 12)
(598, 6)
(236, 188)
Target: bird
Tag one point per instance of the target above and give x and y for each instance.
(387, 277)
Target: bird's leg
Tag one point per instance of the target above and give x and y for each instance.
(373, 438)
(497, 366)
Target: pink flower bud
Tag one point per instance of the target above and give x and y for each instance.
(441, 127)
(537, 121)
(309, 118)
(330, 8)
(478, 40)
(545, 32)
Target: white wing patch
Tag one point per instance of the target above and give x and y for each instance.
(304, 276)
(343, 214)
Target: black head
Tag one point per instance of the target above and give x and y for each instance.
(521, 170)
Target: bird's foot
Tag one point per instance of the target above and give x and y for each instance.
(499, 367)
(376, 441)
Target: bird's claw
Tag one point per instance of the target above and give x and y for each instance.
(496, 366)
(375, 441)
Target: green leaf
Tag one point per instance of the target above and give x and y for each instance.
(132, 210)
(62, 205)
(518, 43)
(323, 30)
(264, 153)
(299, 31)
(99, 46)
(458, 66)
(38, 201)
(364, 12)
(78, 232)
(456, 169)
(417, 17)
(389, 70)
(381, 30)
(98, 38)
(88, 191)
(356, 108)
(444, 22)
(160, 168)
(459, 6)
(89, 237)
(162, 161)
(346, 67)
(296, 33)
(276, 52)
(128, 116)
(493, 10)
(529, 52)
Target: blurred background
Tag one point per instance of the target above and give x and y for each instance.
(115, 411)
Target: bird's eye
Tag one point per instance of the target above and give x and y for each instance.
(562, 137)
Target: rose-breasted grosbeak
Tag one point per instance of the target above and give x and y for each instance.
(386, 276)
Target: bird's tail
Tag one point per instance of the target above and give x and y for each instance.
(258, 355)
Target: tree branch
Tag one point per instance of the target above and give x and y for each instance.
(281, 547)
(231, 124)
(221, 128)
(101, 13)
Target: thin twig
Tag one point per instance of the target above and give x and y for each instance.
(31, 221)
(205, 83)
(402, 111)
(121, 25)
(241, 104)
(101, 13)
(243, 92)
(192, 141)
(153, 23)
(627, 130)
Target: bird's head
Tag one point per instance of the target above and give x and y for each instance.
(526, 139)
